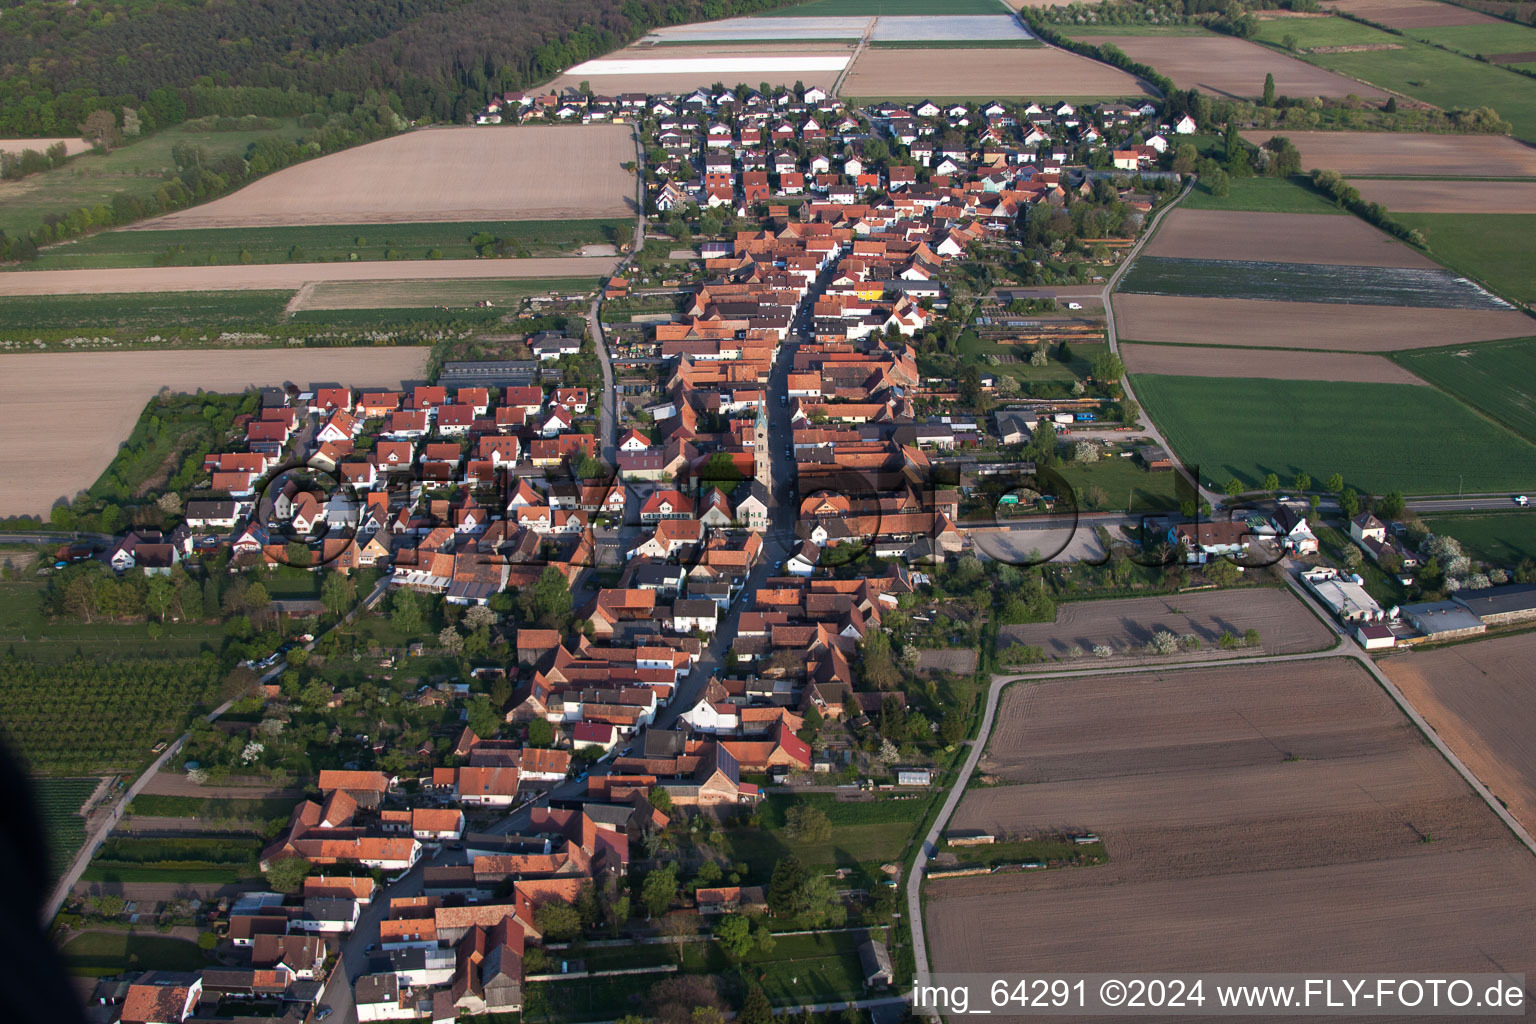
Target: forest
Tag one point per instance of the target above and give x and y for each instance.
(438, 60)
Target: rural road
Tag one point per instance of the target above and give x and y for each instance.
(1149, 428)
(279, 276)
(1343, 648)
(608, 423)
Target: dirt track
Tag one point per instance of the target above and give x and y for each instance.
(108, 391)
(1194, 360)
(1395, 153)
(1329, 326)
(1280, 238)
(1259, 818)
(1228, 66)
(1045, 73)
(275, 276)
(1125, 626)
(1478, 697)
(1450, 196)
(440, 174)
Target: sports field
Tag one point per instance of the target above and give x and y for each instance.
(1381, 437)
(1498, 377)
(1415, 69)
(1498, 249)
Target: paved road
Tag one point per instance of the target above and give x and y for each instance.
(1342, 648)
(1471, 503)
(608, 422)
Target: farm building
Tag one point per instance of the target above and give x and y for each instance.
(1375, 636)
(1442, 620)
(1344, 596)
(1154, 457)
(1498, 606)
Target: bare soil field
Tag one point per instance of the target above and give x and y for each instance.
(1125, 625)
(440, 174)
(1329, 326)
(1041, 73)
(1197, 361)
(1299, 797)
(72, 147)
(272, 276)
(1479, 698)
(1449, 196)
(1280, 238)
(1406, 153)
(108, 391)
(681, 69)
(1235, 67)
(946, 660)
(1411, 13)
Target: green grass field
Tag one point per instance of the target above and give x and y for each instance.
(1423, 72)
(100, 954)
(1381, 437)
(1262, 195)
(26, 629)
(143, 311)
(324, 243)
(1122, 480)
(59, 802)
(870, 8)
(1480, 40)
(426, 294)
(92, 178)
(1494, 248)
(1497, 377)
(1499, 538)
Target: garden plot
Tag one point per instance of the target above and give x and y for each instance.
(1279, 238)
(1180, 360)
(1326, 326)
(1227, 66)
(1409, 154)
(1297, 797)
(1312, 283)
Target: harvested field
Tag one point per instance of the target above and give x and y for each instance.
(71, 146)
(1331, 327)
(1181, 360)
(1422, 155)
(1410, 13)
(1285, 625)
(441, 174)
(1424, 196)
(1044, 73)
(1224, 796)
(1478, 698)
(946, 660)
(1427, 287)
(40, 468)
(271, 276)
(1280, 238)
(1235, 67)
(681, 69)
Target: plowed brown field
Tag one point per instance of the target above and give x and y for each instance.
(1411, 13)
(1328, 326)
(440, 174)
(1283, 622)
(1450, 196)
(107, 392)
(1195, 361)
(1257, 818)
(1235, 67)
(1480, 698)
(1042, 73)
(1403, 153)
(1280, 238)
